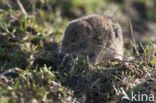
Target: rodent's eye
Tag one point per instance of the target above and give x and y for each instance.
(116, 31)
(73, 41)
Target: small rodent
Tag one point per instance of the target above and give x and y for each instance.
(95, 36)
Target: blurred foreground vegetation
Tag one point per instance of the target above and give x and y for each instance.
(32, 70)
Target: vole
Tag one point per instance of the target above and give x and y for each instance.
(98, 37)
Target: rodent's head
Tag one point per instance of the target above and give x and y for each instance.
(76, 37)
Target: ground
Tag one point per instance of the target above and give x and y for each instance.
(33, 70)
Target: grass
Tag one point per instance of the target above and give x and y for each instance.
(33, 70)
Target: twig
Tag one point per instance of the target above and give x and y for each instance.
(111, 69)
(63, 60)
(101, 53)
(33, 5)
(125, 58)
(115, 12)
(22, 8)
(12, 70)
(132, 33)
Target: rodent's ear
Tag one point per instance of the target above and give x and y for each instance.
(116, 31)
(88, 30)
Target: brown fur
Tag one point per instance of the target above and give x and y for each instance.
(94, 36)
